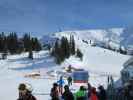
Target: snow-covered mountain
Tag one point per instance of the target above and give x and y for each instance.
(48, 40)
(96, 34)
(127, 37)
(113, 36)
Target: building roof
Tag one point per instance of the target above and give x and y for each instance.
(129, 62)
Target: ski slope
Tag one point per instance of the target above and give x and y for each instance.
(98, 61)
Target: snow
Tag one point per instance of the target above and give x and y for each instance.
(98, 61)
(94, 34)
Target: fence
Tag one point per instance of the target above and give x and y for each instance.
(117, 97)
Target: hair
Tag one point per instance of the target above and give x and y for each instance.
(22, 86)
(82, 88)
(89, 86)
(66, 87)
(93, 90)
(55, 84)
(100, 87)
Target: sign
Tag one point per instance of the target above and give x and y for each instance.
(80, 76)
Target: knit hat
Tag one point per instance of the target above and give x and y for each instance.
(25, 86)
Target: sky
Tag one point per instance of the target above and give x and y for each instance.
(48, 16)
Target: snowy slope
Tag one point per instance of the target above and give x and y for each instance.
(99, 62)
(14, 69)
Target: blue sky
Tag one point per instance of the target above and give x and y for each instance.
(47, 16)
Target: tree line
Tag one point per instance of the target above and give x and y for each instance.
(64, 49)
(11, 43)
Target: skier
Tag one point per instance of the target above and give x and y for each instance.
(61, 83)
(67, 95)
(54, 92)
(81, 94)
(69, 69)
(93, 94)
(89, 90)
(25, 93)
(102, 93)
(69, 80)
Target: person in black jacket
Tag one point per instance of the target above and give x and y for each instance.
(54, 92)
(69, 80)
(24, 93)
(102, 93)
(67, 95)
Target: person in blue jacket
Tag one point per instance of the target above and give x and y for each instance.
(61, 82)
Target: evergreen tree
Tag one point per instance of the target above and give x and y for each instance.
(56, 48)
(1, 41)
(57, 52)
(12, 43)
(27, 40)
(79, 54)
(72, 45)
(30, 50)
(36, 45)
(65, 48)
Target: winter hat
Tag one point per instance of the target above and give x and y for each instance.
(29, 87)
(25, 86)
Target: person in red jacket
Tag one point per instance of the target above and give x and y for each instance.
(93, 94)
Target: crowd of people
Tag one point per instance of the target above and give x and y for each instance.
(89, 93)
(60, 91)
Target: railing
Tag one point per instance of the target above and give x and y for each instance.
(117, 97)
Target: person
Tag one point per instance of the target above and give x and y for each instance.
(89, 90)
(69, 80)
(61, 83)
(93, 94)
(102, 93)
(54, 92)
(81, 94)
(128, 91)
(69, 69)
(25, 93)
(67, 95)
